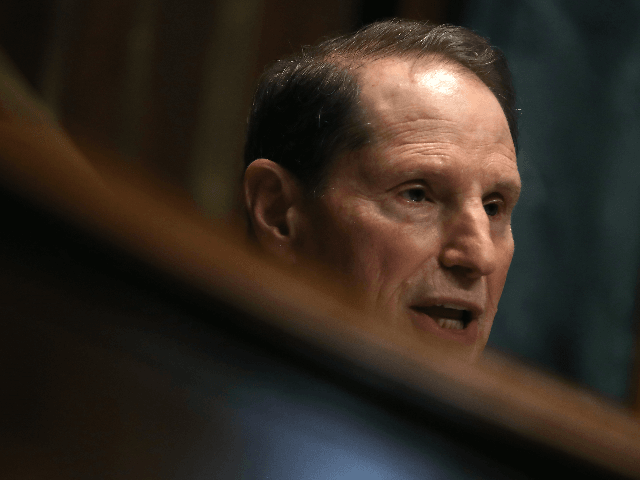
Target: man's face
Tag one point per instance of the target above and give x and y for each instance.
(421, 218)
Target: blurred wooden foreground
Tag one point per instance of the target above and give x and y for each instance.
(40, 163)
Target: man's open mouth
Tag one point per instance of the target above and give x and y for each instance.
(448, 316)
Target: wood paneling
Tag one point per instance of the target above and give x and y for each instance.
(95, 69)
(288, 24)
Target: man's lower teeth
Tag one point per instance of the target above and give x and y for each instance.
(449, 323)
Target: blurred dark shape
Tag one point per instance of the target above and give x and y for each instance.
(25, 26)
(142, 340)
(371, 11)
(112, 368)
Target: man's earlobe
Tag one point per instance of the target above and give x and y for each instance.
(273, 198)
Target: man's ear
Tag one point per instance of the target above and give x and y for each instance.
(273, 198)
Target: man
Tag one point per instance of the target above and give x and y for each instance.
(389, 154)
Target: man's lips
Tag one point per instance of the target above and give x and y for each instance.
(448, 316)
(451, 320)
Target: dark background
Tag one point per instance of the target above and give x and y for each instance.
(167, 84)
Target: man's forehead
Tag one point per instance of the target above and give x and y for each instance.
(402, 72)
(430, 92)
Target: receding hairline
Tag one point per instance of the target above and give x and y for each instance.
(418, 59)
(300, 81)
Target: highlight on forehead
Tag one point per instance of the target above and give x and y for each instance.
(440, 71)
(306, 110)
(452, 45)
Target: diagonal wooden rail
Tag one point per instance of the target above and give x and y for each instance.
(38, 161)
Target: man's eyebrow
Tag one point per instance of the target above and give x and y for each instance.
(512, 186)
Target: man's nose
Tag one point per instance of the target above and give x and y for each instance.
(467, 245)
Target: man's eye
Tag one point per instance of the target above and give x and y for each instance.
(414, 195)
(492, 209)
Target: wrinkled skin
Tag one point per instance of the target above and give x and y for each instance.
(422, 216)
